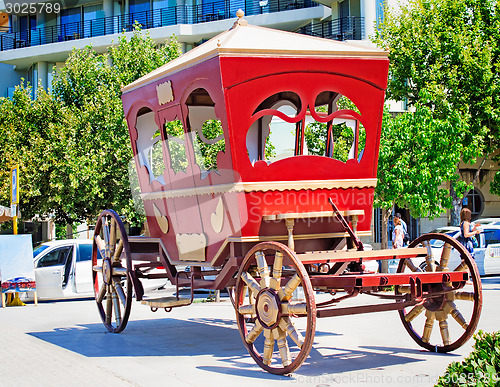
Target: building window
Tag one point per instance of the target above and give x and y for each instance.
(474, 202)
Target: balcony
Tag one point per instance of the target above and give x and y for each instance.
(345, 28)
(187, 14)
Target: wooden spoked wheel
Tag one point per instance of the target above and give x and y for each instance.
(463, 305)
(271, 272)
(110, 261)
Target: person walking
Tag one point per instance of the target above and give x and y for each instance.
(467, 231)
(398, 232)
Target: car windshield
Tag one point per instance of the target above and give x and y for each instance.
(39, 249)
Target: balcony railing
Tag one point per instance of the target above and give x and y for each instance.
(225, 9)
(345, 28)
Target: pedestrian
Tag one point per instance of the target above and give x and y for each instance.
(467, 231)
(405, 228)
(398, 232)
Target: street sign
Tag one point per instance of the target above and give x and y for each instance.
(14, 185)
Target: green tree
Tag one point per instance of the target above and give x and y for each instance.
(444, 56)
(73, 146)
(418, 156)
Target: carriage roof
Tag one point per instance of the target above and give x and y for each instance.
(248, 40)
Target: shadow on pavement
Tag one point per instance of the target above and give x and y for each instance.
(215, 337)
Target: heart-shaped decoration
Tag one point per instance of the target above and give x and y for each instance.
(160, 219)
(217, 218)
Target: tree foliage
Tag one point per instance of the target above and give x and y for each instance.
(418, 154)
(72, 145)
(444, 59)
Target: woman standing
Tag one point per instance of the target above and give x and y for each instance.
(467, 231)
(398, 233)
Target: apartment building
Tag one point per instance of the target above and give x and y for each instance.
(36, 36)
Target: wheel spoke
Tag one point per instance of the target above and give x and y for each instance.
(443, 327)
(105, 231)
(287, 325)
(118, 251)
(286, 359)
(247, 309)
(429, 323)
(412, 314)
(112, 237)
(451, 308)
(445, 257)
(101, 294)
(251, 283)
(465, 296)
(101, 246)
(295, 309)
(116, 307)
(109, 305)
(120, 292)
(263, 269)
(462, 267)
(277, 271)
(254, 333)
(268, 347)
(429, 258)
(409, 263)
(285, 293)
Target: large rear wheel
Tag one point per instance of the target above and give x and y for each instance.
(463, 305)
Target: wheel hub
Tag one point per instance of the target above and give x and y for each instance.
(268, 307)
(106, 271)
(435, 304)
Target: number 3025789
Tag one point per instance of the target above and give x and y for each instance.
(32, 8)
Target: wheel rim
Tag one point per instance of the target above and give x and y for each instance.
(463, 305)
(273, 312)
(110, 265)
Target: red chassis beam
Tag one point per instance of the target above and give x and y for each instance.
(385, 279)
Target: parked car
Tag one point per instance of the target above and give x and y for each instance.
(63, 269)
(488, 222)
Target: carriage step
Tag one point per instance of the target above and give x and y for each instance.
(166, 302)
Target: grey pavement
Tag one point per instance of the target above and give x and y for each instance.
(65, 344)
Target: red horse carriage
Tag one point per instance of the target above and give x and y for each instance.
(256, 155)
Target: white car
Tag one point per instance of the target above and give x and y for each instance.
(488, 222)
(63, 269)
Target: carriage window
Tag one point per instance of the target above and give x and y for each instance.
(209, 144)
(342, 138)
(176, 145)
(149, 145)
(338, 132)
(205, 131)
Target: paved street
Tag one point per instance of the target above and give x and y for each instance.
(65, 343)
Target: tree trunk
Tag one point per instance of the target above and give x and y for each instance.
(384, 267)
(456, 207)
(69, 231)
(457, 201)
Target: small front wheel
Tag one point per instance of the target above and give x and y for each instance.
(111, 261)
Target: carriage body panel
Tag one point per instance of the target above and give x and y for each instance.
(252, 90)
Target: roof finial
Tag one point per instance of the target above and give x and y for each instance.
(240, 21)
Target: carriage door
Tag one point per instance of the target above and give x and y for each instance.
(180, 200)
(214, 176)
